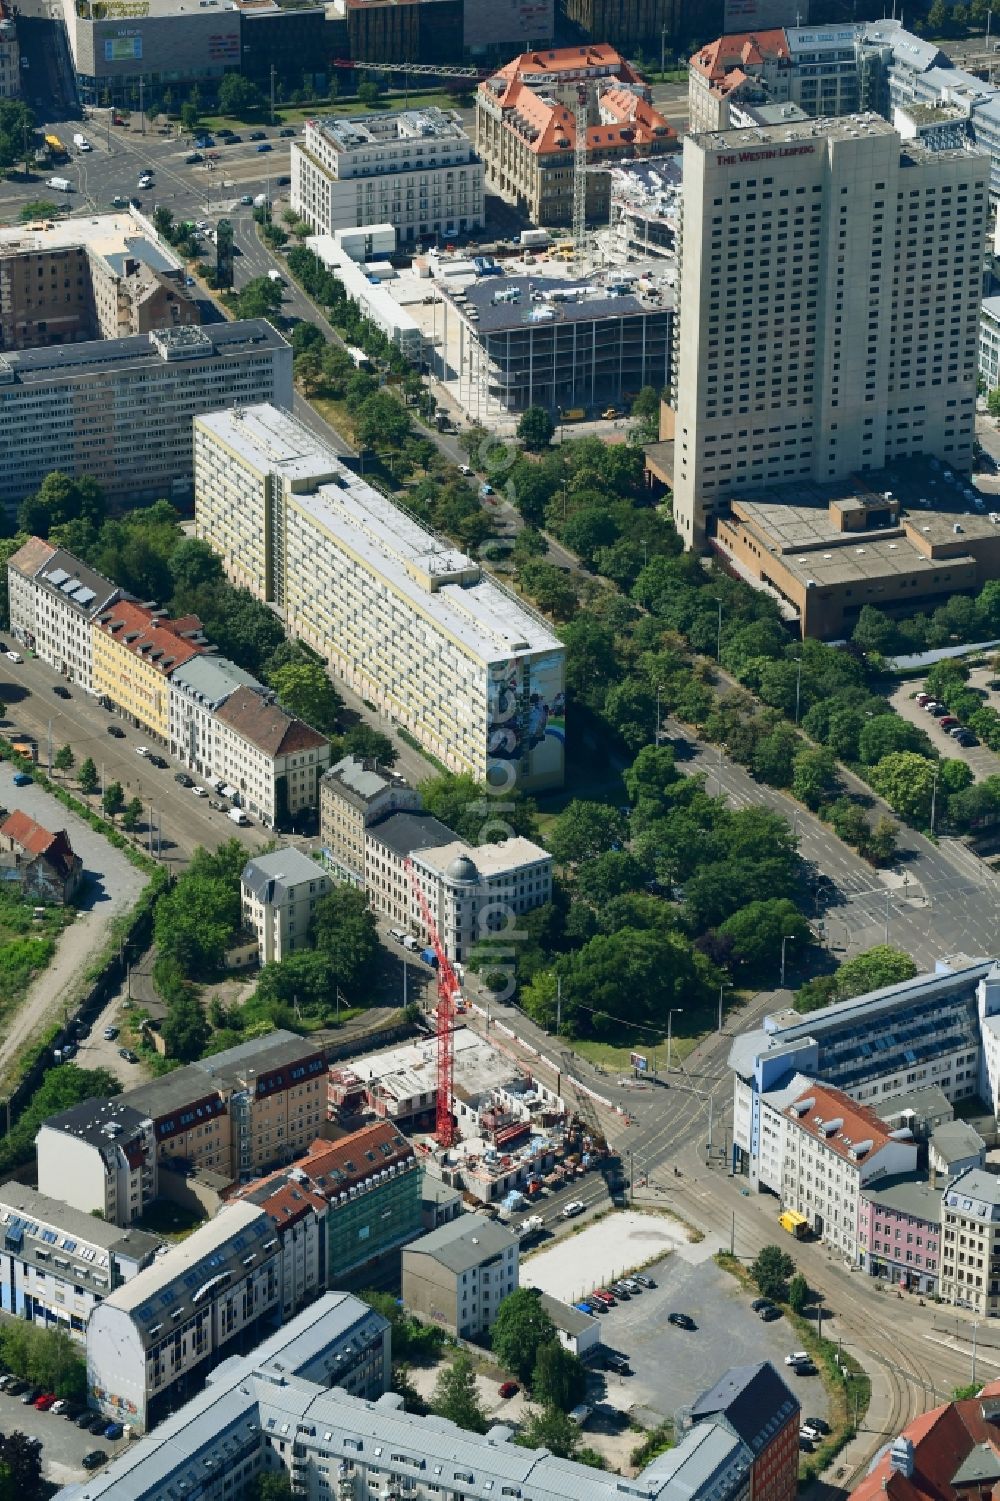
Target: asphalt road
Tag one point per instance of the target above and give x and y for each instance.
(180, 820)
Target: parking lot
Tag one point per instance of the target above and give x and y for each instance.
(63, 1443)
(619, 1243)
(670, 1366)
(982, 762)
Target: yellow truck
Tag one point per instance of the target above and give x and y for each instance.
(572, 414)
(796, 1224)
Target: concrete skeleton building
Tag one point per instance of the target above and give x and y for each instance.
(236, 1113)
(459, 1275)
(830, 280)
(526, 128)
(415, 170)
(106, 277)
(54, 601)
(513, 342)
(57, 1264)
(403, 618)
(280, 892)
(120, 410)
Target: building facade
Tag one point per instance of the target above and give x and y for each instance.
(44, 865)
(460, 1274)
(135, 650)
(757, 1405)
(833, 1147)
(970, 1243)
(415, 170)
(57, 1265)
(54, 607)
(150, 1342)
(198, 688)
(235, 1113)
(352, 795)
(280, 892)
(120, 410)
(830, 285)
(405, 620)
(274, 760)
(989, 342)
(475, 895)
(526, 128)
(937, 1029)
(899, 1233)
(10, 55)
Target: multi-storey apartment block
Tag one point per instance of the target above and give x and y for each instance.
(10, 54)
(415, 170)
(829, 309)
(135, 650)
(478, 893)
(236, 1113)
(274, 760)
(151, 1340)
(526, 128)
(408, 622)
(460, 1274)
(57, 1264)
(938, 1029)
(354, 794)
(970, 1243)
(54, 601)
(198, 688)
(833, 1147)
(280, 892)
(899, 1232)
(120, 410)
(756, 1403)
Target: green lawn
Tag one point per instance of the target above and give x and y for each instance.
(616, 1055)
(297, 114)
(26, 945)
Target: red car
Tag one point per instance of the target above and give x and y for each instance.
(509, 1389)
(45, 1401)
(923, 699)
(604, 1297)
(948, 722)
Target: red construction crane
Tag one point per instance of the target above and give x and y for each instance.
(448, 991)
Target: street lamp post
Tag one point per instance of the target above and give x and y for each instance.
(783, 942)
(934, 796)
(674, 1011)
(718, 634)
(725, 985)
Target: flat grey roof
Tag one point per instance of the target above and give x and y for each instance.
(212, 679)
(86, 1228)
(495, 317)
(269, 876)
(907, 1194)
(464, 1243)
(930, 1099)
(569, 1320)
(404, 832)
(136, 352)
(356, 783)
(956, 1139)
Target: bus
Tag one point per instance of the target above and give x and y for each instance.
(58, 150)
(796, 1224)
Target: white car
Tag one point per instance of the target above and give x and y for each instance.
(142, 750)
(572, 1209)
(15, 656)
(199, 791)
(797, 1357)
(812, 1434)
(464, 469)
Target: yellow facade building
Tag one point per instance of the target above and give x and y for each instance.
(135, 651)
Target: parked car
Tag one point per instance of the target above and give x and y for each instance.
(31, 1396)
(644, 1281)
(633, 1284)
(183, 778)
(805, 1444)
(246, 200)
(113, 1432)
(939, 711)
(759, 1304)
(142, 750)
(158, 762)
(923, 699)
(621, 1291)
(508, 1389)
(617, 1363)
(117, 731)
(288, 131)
(200, 791)
(681, 1321)
(60, 691)
(820, 1424)
(258, 135)
(71, 1411)
(264, 146)
(203, 142)
(966, 738)
(85, 1419)
(572, 1209)
(21, 779)
(948, 721)
(45, 1401)
(804, 1368)
(193, 157)
(15, 656)
(128, 1055)
(16, 1387)
(796, 1357)
(234, 140)
(282, 182)
(603, 1296)
(110, 1033)
(94, 1459)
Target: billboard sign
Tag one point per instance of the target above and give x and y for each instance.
(639, 1062)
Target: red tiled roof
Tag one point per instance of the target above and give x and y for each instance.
(942, 1440)
(548, 126)
(36, 840)
(267, 726)
(161, 642)
(331, 1167)
(742, 49)
(555, 62)
(290, 1203)
(830, 1116)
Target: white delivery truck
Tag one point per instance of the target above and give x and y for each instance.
(534, 239)
(276, 277)
(60, 184)
(81, 143)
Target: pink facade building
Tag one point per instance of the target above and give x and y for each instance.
(899, 1232)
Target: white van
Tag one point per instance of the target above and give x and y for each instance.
(410, 944)
(397, 934)
(238, 816)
